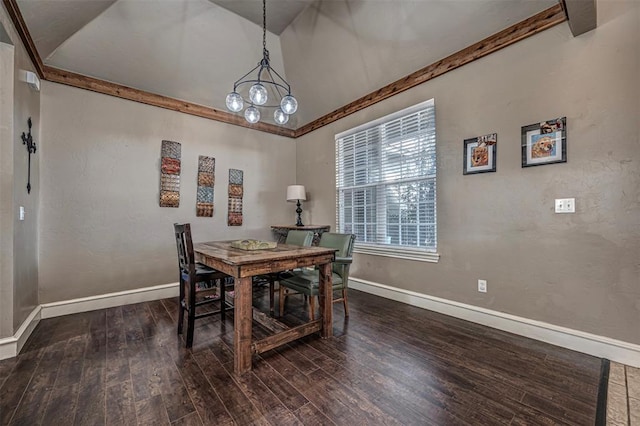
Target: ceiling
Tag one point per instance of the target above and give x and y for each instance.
(330, 51)
(281, 12)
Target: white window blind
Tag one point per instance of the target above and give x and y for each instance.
(386, 183)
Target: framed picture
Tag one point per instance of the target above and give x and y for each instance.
(544, 143)
(480, 154)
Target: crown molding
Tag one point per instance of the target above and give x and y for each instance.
(523, 29)
(23, 32)
(69, 78)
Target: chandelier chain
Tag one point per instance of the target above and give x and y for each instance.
(264, 26)
(258, 94)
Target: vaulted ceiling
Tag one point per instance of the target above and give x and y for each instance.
(332, 52)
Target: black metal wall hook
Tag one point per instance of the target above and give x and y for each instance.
(27, 140)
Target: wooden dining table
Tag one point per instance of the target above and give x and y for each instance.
(243, 265)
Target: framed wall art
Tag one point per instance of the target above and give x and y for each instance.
(544, 143)
(480, 154)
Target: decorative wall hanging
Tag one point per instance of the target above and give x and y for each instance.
(170, 174)
(236, 191)
(27, 140)
(206, 179)
(480, 154)
(544, 143)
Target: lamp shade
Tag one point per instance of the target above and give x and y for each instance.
(296, 192)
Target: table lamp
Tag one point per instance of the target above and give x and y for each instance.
(297, 193)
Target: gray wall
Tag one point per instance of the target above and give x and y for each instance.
(18, 239)
(101, 229)
(6, 185)
(580, 270)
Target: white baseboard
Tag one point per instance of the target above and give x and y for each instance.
(592, 344)
(109, 300)
(11, 346)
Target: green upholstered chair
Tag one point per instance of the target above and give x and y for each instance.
(294, 238)
(299, 238)
(307, 281)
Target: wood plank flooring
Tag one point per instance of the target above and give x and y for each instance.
(623, 399)
(388, 364)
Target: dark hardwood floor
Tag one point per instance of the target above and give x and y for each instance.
(388, 364)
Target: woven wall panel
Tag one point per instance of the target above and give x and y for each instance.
(169, 182)
(236, 192)
(206, 179)
(170, 155)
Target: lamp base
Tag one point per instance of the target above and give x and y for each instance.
(299, 211)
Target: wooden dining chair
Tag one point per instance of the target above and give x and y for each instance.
(307, 282)
(195, 278)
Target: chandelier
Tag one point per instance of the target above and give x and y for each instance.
(261, 83)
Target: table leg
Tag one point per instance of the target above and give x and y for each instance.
(242, 325)
(326, 300)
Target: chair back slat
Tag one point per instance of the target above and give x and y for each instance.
(184, 243)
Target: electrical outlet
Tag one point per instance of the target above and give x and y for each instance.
(565, 205)
(482, 286)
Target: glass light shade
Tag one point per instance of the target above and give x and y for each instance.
(252, 115)
(289, 104)
(258, 94)
(280, 117)
(234, 102)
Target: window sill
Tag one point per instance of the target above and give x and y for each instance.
(398, 253)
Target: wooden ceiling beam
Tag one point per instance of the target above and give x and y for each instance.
(582, 15)
(533, 25)
(23, 32)
(113, 89)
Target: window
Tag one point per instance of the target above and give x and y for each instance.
(386, 184)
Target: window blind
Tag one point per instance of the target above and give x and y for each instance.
(386, 180)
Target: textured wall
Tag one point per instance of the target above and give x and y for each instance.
(6, 185)
(19, 259)
(101, 228)
(579, 270)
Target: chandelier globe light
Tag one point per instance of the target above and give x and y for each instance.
(263, 82)
(252, 115)
(280, 117)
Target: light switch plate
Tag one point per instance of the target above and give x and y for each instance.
(565, 205)
(21, 213)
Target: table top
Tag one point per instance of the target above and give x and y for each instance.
(303, 228)
(223, 251)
